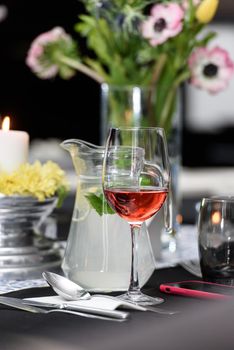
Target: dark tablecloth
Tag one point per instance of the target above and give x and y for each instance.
(200, 324)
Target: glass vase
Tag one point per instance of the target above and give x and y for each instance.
(150, 106)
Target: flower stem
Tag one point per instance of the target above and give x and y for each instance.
(156, 74)
(166, 114)
(81, 68)
(158, 68)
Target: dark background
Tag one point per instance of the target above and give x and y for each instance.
(44, 108)
(70, 109)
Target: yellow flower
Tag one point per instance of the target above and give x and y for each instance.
(37, 180)
(206, 10)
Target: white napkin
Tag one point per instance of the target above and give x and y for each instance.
(101, 302)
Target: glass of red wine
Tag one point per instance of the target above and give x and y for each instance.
(135, 183)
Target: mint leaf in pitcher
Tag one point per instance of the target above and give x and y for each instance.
(99, 203)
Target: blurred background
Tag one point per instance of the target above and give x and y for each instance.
(59, 109)
(44, 108)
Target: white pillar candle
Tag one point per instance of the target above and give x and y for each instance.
(14, 146)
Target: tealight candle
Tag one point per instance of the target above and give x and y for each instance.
(14, 145)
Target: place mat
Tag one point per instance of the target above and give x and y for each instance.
(7, 286)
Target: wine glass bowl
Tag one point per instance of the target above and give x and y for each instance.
(135, 183)
(134, 205)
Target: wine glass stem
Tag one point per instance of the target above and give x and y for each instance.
(134, 287)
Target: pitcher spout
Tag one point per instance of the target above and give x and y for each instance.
(66, 145)
(86, 157)
(71, 144)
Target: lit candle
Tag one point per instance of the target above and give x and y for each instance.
(14, 146)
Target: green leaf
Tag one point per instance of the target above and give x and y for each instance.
(95, 65)
(62, 193)
(206, 39)
(145, 180)
(99, 203)
(86, 25)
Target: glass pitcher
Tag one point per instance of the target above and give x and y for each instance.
(98, 250)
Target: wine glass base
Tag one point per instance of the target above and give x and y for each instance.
(140, 298)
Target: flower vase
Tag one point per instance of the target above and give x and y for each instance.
(146, 106)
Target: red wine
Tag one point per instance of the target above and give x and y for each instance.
(136, 205)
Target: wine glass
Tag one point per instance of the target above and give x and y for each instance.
(135, 183)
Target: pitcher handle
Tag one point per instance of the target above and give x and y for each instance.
(168, 213)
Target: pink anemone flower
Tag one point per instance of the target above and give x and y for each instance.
(211, 69)
(36, 58)
(164, 22)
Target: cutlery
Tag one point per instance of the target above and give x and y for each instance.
(82, 308)
(30, 306)
(64, 287)
(69, 290)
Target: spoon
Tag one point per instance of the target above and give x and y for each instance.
(71, 291)
(64, 287)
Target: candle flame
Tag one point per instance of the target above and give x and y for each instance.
(6, 124)
(179, 219)
(216, 218)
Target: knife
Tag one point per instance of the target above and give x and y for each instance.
(19, 304)
(92, 310)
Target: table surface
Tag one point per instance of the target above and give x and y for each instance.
(198, 323)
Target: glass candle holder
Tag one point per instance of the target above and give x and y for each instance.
(216, 239)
